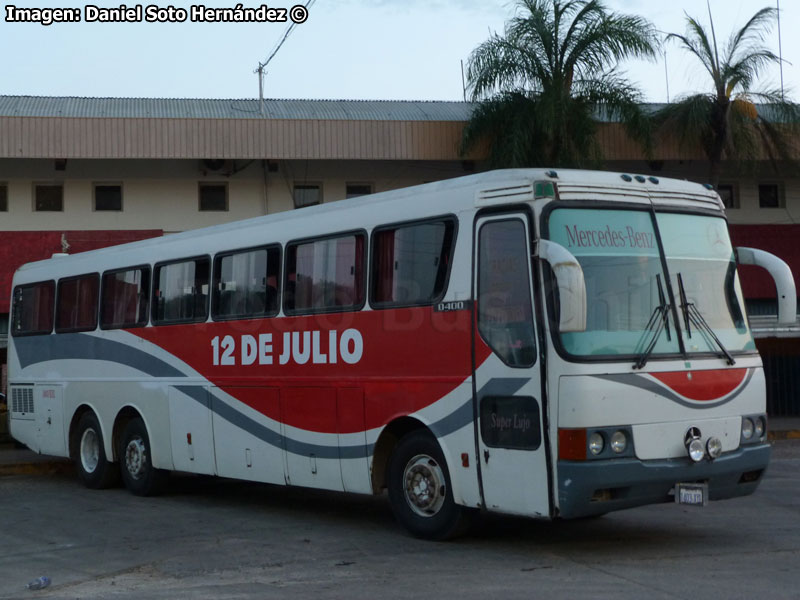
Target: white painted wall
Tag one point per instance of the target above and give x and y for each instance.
(163, 194)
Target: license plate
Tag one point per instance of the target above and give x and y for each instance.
(693, 494)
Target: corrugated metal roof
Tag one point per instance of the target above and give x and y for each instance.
(191, 108)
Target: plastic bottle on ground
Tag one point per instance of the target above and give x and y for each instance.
(39, 583)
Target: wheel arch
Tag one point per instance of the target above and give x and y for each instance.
(124, 416)
(387, 440)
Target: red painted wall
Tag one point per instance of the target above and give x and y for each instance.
(781, 240)
(20, 247)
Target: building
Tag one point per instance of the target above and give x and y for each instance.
(82, 173)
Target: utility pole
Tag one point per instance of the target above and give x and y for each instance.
(780, 46)
(260, 71)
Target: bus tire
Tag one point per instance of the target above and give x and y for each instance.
(419, 489)
(136, 467)
(93, 467)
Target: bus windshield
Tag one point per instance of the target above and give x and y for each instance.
(702, 269)
(629, 308)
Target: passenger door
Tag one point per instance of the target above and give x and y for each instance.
(508, 386)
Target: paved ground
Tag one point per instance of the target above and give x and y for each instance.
(211, 538)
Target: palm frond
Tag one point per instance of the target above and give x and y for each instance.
(689, 120)
(547, 46)
(696, 42)
(752, 33)
(735, 122)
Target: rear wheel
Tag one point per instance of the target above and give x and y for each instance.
(419, 489)
(89, 454)
(135, 462)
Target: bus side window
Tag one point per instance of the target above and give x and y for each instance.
(32, 310)
(325, 275)
(181, 291)
(125, 298)
(410, 263)
(505, 314)
(76, 303)
(245, 283)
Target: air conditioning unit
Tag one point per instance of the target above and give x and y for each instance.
(217, 165)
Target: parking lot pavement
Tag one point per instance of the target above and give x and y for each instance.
(213, 538)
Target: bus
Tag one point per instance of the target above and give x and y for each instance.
(552, 344)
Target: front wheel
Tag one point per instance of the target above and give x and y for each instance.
(138, 473)
(419, 489)
(88, 452)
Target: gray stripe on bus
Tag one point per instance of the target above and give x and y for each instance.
(462, 416)
(76, 346)
(459, 418)
(267, 435)
(649, 385)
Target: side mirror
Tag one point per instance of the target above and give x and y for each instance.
(571, 285)
(781, 273)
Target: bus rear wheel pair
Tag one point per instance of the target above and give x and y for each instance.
(135, 467)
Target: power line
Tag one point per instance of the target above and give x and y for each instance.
(260, 69)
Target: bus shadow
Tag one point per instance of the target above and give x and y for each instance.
(648, 530)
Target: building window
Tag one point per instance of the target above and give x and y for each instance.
(3, 197)
(76, 303)
(769, 195)
(354, 190)
(213, 196)
(729, 195)
(307, 194)
(48, 197)
(107, 196)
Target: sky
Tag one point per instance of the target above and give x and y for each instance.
(346, 49)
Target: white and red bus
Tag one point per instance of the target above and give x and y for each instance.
(541, 343)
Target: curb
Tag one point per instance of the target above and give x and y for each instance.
(55, 467)
(788, 434)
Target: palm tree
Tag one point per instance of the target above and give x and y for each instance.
(726, 122)
(543, 86)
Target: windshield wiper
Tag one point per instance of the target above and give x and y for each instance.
(658, 320)
(692, 315)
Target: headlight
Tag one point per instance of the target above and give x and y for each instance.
(696, 450)
(596, 443)
(760, 427)
(694, 444)
(714, 447)
(747, 428)
(619, 442)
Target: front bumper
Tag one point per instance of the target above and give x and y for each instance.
(597, 487)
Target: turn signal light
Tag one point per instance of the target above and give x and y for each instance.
(572, 444)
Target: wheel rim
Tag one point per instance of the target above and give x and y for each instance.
(90, 450)
(136, 458)
(424, 485)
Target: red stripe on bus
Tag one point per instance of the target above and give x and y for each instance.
(409, 359)
(703, 386)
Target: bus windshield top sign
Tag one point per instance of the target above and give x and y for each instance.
(587, 231)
